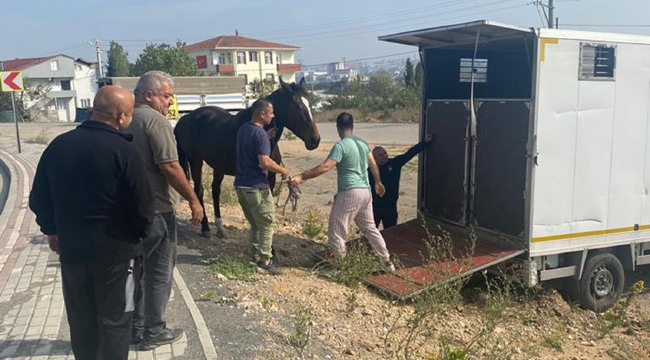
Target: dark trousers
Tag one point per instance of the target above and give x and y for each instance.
(156, 286)
(386, 215)
(99, 301)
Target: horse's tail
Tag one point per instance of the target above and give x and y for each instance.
(182, 159)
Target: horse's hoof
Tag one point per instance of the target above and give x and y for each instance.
(221, 234)
(205, 234)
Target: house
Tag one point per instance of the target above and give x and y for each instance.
(72, 83)
(249, 58)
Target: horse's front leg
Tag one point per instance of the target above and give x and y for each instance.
(277, 157)
(196, 167)
(216, 193)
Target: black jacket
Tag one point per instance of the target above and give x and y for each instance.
(390, 174)
(91, 190)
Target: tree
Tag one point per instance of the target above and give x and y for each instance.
(409, 79)
(118, 63)
(418, 74)
(262, 88)
(174, 60)
(32, 95)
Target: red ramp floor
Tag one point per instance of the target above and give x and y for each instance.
(420, 266)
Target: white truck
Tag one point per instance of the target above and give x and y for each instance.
(192, 92)
(542, 147)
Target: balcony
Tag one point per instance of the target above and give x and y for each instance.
(289, 67)
(225, 68)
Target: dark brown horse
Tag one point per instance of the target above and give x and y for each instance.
(208, 134)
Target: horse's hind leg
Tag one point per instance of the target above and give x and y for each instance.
(196, 166)
(216, 193)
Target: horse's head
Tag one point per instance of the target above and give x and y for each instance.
(292, 110)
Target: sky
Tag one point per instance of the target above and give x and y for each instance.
(326, 31)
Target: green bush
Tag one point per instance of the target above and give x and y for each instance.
(312, 227)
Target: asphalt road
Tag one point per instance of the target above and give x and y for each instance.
(376, 133)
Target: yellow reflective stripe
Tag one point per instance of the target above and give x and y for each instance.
(545, 41)
(589, 233)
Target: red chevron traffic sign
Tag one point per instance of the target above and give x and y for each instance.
(11, 81)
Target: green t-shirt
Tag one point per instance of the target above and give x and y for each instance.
(351, 156)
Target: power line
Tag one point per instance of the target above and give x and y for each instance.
(401, 27)
(607, 25)
(365, 18)
(364, 59)
(291, 34)
(392, 22)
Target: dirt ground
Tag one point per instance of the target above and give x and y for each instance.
(355, 323)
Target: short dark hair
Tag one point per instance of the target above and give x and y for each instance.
(344, 121)
(259, 106)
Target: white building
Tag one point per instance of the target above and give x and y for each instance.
(72, 83)
(245, 57)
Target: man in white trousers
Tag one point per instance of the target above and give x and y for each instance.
(353, 201)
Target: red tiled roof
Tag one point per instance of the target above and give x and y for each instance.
(228, 41)
(20, 64)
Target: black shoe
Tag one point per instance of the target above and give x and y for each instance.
(167, 336)
(270, 268)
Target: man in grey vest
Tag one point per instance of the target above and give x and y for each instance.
(154, 138)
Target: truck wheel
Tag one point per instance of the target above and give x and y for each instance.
(602, 282)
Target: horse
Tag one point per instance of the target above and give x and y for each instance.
(208, 134)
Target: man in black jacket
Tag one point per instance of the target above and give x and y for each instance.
(390, 170)
(92, 199)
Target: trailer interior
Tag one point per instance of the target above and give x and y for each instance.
(473, 178)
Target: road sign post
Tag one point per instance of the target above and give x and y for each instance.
(13, 104)
(12, 81)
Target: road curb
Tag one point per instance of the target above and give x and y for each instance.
(7, 178)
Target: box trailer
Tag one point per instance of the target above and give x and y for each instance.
(542, 147)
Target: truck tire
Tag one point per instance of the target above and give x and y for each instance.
(602, 282)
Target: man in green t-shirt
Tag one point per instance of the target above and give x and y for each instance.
(352, 159)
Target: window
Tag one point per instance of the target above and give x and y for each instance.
(480, 70)
(241, 57)
(54, 65)
(270, 77)
(253, 56)
(65, 85)
(225, 58)
(85, 103)
(278, 58)
(202, 62)
(268, 57)
(597, 62)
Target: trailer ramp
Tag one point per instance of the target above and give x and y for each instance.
(419, 269)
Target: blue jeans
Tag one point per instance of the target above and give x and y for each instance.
(156, 285)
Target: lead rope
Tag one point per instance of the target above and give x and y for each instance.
(293, 197)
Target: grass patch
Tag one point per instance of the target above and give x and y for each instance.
(233, 270)
(554, 341)
(42, 138)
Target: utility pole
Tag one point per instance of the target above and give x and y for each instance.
(98, 48)
(551, 15)
(551, 20)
